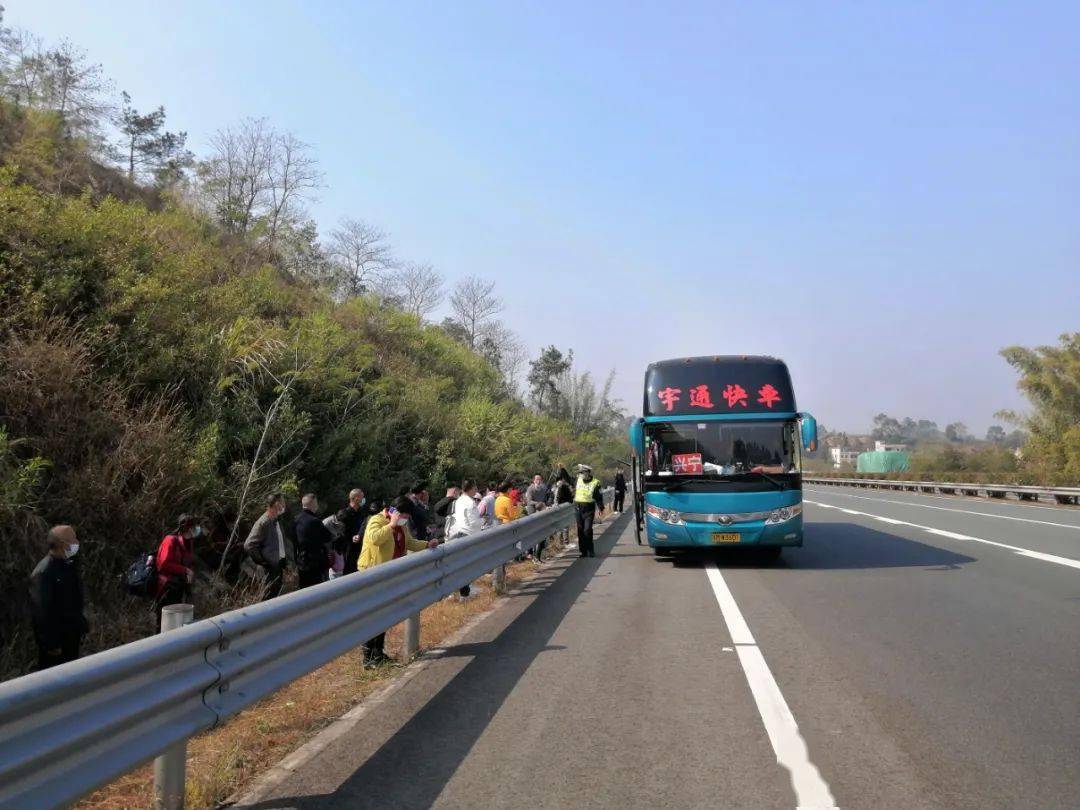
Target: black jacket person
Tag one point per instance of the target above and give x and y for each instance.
(56, 600)
(620, 492)
(313, 542)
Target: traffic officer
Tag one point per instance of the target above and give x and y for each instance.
(587, 500)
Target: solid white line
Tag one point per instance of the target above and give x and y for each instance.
(1023, 552)
(947, 509)
(736, 624)
(811, 790)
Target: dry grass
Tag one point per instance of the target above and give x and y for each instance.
(226, 760)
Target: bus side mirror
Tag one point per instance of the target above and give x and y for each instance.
(809, 431)
(637, 436)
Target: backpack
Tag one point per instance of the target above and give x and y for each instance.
(141, 577)
(564, 493)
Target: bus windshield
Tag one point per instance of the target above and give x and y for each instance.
(721, 448)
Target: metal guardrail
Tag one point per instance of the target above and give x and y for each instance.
(68, 730)
(1062, 495)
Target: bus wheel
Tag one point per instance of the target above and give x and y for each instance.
(771, 553)
(662, 552)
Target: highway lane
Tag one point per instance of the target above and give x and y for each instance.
(921, 671)
(990, 506)
(1045, 529)
(1027, 511)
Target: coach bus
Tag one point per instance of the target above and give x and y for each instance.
(718, 455)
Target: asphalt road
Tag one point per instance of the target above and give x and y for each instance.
(918, 651)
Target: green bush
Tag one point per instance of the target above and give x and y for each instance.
(146, 371)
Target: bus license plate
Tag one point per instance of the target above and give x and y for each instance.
(725, 537)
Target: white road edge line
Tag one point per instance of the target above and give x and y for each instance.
(811, 790)
(948, 509)
(1023, 552)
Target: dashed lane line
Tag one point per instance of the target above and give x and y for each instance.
(1023, 552)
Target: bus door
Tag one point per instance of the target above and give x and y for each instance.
(639, 500)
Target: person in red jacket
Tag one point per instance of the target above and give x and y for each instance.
(175, 564)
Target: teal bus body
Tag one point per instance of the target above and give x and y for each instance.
(720, 476)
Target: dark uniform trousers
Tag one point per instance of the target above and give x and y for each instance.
(586, 513)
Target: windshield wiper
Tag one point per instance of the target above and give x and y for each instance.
(774, 481)
(679, 483)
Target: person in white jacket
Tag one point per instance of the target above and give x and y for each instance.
(465, 520)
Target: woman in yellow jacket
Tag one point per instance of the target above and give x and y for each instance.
(505, 511)
(386, 538)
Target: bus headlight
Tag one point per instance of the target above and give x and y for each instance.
(783, 514)
(667, 515)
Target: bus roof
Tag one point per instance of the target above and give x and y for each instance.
(718, 385)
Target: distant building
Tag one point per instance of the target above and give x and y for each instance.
(883, 447)
(841, 455)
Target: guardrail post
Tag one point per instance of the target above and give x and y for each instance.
(412, 636)
(498, 579)
(170, 769)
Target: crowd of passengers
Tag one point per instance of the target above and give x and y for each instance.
(354, 538)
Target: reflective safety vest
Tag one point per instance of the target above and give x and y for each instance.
(585, 493)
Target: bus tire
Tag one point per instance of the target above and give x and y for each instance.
(771, 553)
(662, 552)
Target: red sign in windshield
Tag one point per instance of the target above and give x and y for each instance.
(686, 464)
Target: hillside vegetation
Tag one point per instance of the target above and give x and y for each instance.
(162, 353)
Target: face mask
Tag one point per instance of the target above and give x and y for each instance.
(197, 532)
(362, 502)
(72, 550)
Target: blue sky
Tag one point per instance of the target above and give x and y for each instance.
(883, 194)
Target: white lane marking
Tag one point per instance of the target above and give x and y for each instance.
(953, 535)
(1072, 526)
(1038, 555)
(947, 498)
(811, 790)
(1023, 552)
(736, 624)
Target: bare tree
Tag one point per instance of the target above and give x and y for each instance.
(59, 79)
(237, 177)
(504, 350)
(474, 304)
(23, 59)
(256, 179)
(362, 255)
(76, 88)
(292, 175)
(419, 287)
